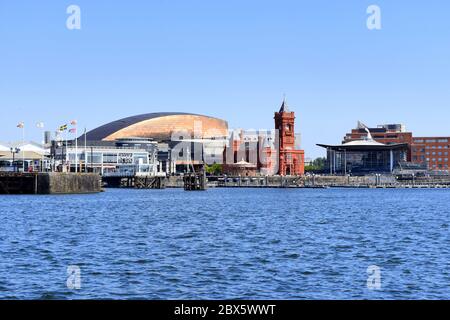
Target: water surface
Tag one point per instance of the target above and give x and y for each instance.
(227, 244)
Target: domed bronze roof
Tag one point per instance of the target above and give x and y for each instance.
(160, 126)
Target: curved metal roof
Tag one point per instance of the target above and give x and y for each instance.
(365, 143)
(108, 129)
(369, 146)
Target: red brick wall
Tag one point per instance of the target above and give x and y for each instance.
(291, 161)
(435, 151)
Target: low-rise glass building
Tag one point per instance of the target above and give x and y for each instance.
(365, 157)
(122, 157)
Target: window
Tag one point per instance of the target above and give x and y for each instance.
(140, 158)
(94, 157)
(125, 158)
(110, 158)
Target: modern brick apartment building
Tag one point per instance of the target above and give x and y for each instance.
(433, 151)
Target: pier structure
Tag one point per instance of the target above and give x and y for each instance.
(195, 180)
(134, 180)
(332, 181)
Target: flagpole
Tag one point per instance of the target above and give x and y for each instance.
(23, 151)
(43, 147)
(85, 152)
(67, 152)
(76, 151)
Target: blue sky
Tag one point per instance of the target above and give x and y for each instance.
(231, 59)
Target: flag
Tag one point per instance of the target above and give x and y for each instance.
(73, 130)
(73, 122)
(40, 125)
(21, 125)
(63, 127)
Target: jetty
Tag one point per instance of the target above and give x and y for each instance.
(195, 180)
(133, 180)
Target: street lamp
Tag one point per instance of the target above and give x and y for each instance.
(14, 151)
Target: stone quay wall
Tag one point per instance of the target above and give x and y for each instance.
(49, 183)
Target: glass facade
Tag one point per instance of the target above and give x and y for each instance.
(364, 161)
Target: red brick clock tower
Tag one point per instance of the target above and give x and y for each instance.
(291, 162)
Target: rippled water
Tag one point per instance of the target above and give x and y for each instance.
(227, 244)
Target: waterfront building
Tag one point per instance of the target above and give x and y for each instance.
(432, 152)
(291, 158)
(161, 126)
(242, 168)
(251, 152)
(365, 156)
(24, 156)
(127, 156)
(185, 139)
(271, 152)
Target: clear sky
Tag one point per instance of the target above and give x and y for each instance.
(233, 59)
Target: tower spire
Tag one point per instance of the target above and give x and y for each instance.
(284, 106)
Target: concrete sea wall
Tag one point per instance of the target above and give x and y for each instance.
(64, 183)
(49, 183)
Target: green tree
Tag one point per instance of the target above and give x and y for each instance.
(318, 164)
(214, 169)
